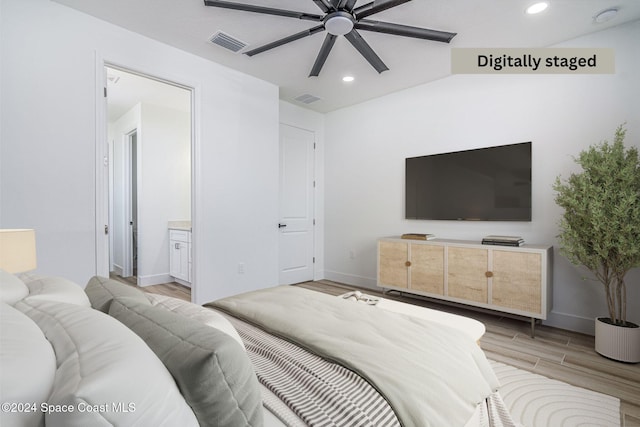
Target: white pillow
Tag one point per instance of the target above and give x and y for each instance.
(12, 289)
(28, 368)
(47, 288)
(105, 371)
(196, 312)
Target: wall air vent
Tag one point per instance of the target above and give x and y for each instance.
(307, 98)
(227, 42)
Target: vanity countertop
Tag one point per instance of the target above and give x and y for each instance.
(180, 225)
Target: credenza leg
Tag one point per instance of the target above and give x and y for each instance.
(533, 327)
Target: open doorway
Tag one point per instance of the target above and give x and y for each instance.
(149, 135)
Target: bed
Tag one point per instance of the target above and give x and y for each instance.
(283, 356)
(325, 360)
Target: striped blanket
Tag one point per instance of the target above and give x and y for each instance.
(320, 392)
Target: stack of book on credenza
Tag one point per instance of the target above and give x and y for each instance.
(418, 236)
(503, 240)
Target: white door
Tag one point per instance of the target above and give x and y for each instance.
(296, 239)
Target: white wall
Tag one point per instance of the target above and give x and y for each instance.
(48, 125)
(164, 186)
(366, 146)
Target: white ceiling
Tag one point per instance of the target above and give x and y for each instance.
(188, 25)
(125, 90)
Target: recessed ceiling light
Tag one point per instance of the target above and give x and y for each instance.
(605, 15)
(348, 79)
(537, 8)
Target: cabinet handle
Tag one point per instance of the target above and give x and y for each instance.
(407, 264)
(488, 274)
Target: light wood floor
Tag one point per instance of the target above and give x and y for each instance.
(172, 289)
(555, 353)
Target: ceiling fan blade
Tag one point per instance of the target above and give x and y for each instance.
(285, 40)
(404, 30)
(261, 9)
(375, 7)
(365, 50)
(346, 5)
(324, 5)
(327, 45)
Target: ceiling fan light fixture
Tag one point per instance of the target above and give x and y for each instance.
(339, 24)
(537, 8)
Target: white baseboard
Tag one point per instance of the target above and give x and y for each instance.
(117, 269)
(571, 322)
(155, 279)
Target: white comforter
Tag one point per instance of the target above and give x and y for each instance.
(431, 374)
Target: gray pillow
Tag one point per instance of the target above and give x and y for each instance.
(212, 370)
(102, 290)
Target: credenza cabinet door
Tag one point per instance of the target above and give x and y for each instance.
(412, 266)
(467, 274)
(517, 280)
(392, 264)
(180, 255)
(427, 269)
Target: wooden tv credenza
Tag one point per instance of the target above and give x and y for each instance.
(509, 279)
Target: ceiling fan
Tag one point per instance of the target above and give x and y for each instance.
(341, 18)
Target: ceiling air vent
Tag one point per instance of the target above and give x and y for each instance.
(113, 79)
(227, 42)
(307, 98)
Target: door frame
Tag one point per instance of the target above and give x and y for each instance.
(313, 201)
(131, 174)
(102, 160)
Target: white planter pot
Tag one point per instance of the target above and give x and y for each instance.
(617, 342)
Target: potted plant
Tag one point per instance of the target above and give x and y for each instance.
(600, 229)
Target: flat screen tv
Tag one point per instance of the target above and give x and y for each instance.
(486, 184)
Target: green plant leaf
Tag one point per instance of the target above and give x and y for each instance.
(600, 226)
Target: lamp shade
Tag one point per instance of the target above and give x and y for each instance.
(17, 250)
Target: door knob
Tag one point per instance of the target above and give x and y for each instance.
(282, 225)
